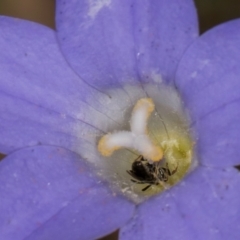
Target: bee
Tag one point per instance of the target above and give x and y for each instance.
(151, 173)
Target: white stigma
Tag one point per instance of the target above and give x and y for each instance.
(137, 138)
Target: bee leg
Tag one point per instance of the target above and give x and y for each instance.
(140, 158)
(135, 181)
(143, 182)
(147, 187)
(174, 171)
(167, 170)
(138, 182)
(130, 173)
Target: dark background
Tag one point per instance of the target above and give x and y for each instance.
(210, 12)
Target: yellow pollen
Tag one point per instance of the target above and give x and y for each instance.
(148, 102)
(104, 148)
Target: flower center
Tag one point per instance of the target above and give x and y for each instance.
(152, 149)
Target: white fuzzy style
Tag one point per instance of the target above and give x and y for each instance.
(143, 144)
(137, 138)
(138, 122)
(139, 142)
(122, 138)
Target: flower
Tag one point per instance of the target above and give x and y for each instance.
(47, 191)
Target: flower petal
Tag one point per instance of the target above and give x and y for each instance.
(42, 101)
(204, 206)
(111, 42)
(49, 193)
(208, 78)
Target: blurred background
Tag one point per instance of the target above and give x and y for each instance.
(210, 12)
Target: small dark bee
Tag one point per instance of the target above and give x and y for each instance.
(151, 173)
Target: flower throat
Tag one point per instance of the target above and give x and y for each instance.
(154, 149)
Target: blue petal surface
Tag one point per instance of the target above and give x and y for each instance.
(49, 193)
(42, 101)
(208, 78)
(111, 42)
(204, 206)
